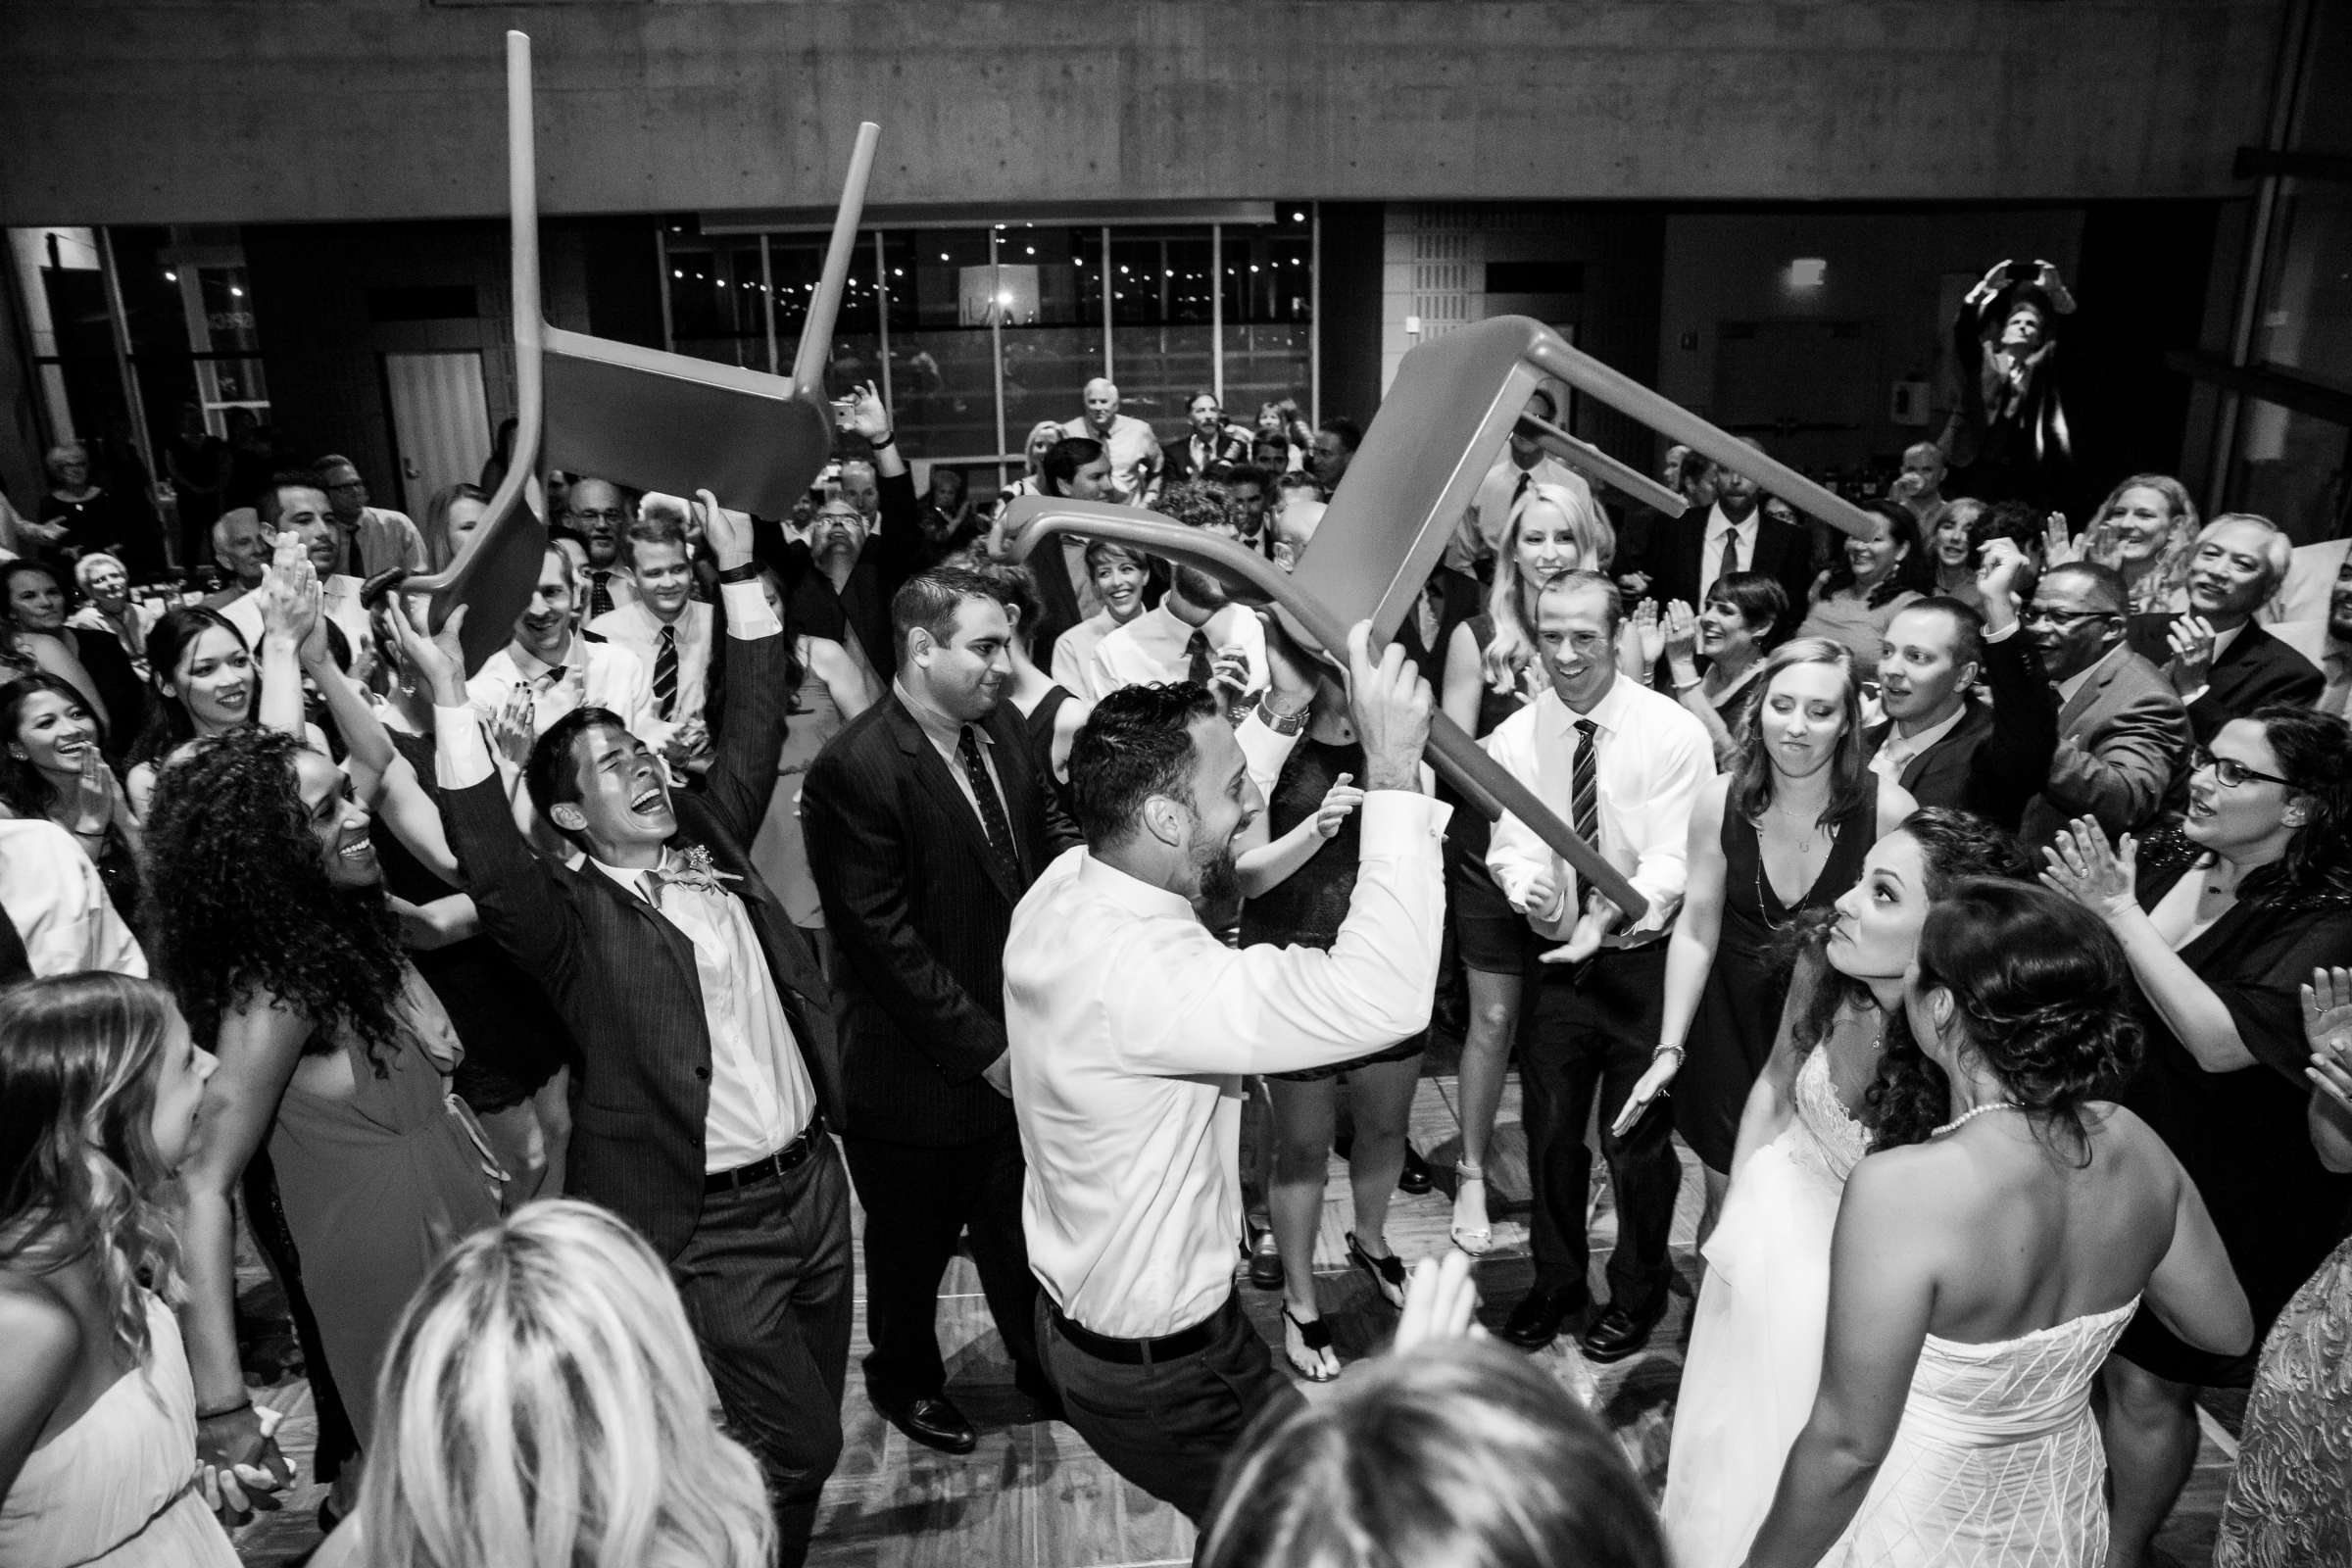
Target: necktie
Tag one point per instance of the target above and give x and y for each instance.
(1583, 785)
(666, 673)
(991, 808)
(1195, 655)
(1521, 488)
(1725, 563)
(600, 597)
(2337, 697)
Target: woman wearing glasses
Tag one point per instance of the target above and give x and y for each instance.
(2222, 922)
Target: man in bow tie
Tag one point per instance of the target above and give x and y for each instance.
(707, 1047)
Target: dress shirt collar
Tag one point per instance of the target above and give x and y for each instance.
(1132, 893)
(945, 733)
(2223, 639)
(1611, 712)
(1718, 524)
(530, 666)
(1903, 748)
(636, 879)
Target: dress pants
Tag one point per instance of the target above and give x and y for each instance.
(918, 1200)
(1169, 1426)
(766, 1282)
(1587, 1033)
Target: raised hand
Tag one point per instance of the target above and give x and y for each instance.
(1681, 638)
(437, 659)
(2083, 869)
(727, 533)
(869, 415)
(1338, 802)
(95, 795)
(516, 727)
(1390, 702)
(2191, 637)
(2328, 1030)
(1649, 638)
(1229, 668)
(289, 592)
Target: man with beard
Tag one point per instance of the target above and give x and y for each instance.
(927, 820)
(1131, 1027)
(863, 542)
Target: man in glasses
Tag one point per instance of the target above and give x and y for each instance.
(2220, 659)
(372, 539)
(2123, 733)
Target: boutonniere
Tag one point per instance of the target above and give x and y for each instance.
(693, 867)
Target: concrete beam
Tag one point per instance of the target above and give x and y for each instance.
(198, 110)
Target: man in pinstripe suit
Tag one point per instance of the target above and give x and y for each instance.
(705, 1040)
(927, 819)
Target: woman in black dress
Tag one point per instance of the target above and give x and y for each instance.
(1798, 810)
(1298, 872)
(2223, 923)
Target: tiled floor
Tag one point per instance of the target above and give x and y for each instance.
(1034, 1494)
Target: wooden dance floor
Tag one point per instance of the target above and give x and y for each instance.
(1034, 1496)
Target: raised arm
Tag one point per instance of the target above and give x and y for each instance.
(751, 730)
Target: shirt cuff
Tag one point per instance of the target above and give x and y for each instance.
(461, 756)
(2004, 634)
(1395, 820)
(748, 616)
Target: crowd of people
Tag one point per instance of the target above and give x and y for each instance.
(539, 1021)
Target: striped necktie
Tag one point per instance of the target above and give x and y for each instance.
(1583, 785)
(666, 673)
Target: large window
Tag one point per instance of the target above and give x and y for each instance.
(976, 334)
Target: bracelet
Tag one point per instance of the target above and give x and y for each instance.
(748, 572)
(1679, 1054)
(888, 438)
(1691, 684)
(214, 1415)
(1283, 723)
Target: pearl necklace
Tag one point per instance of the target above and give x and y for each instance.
(1966, 1116)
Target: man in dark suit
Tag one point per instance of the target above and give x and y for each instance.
(1208, 441)
(2123, 734)
(1687, 553)
(1942, 743)
(707, 1060)
(838, 581)
(926, 821)
(2221, 662)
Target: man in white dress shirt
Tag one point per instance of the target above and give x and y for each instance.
(669, 632)
(1131, 1028)
(1522, 465)
(1196, 632)
(1625, 765)
(1133, 450)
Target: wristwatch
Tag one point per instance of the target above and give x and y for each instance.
(1278, 723)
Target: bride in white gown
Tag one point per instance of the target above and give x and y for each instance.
(1979, 1279)
(1755, 1342)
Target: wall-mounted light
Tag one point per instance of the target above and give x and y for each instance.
(1808, 271)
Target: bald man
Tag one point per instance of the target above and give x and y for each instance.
(1133, 448)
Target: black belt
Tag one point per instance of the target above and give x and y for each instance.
(792, 1156)
(1143, 1352)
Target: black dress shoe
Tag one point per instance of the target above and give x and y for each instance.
(1535, 1321)
(1415, 1177)
(1265, 1261)
(932, 1421)
(1617, 1333)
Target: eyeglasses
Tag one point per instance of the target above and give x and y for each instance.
(2229, 772)
(2063, 617)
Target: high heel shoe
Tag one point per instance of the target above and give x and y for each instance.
(1314, 1338)
(1388, 1273)
(1471, 1239)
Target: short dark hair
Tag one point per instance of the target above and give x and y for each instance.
(267, 504)
(1010, 585)
(2107, 582)
(930, 601)
(333, 459)
(658, 529)
(1233, 474)
(1758, 596)
(552, 775)
(1100, 550)
(1968, 626)
(1063, 459)
(1136, 744)
(1350, 434)
(1597, 583)
(1196, 504)
(2018, 522)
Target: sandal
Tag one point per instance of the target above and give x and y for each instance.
(1471, 1239)
(1388, 1273)
(1314, 1336)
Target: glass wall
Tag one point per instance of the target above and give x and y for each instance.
(976, 334)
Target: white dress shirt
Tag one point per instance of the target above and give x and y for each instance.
(1711, 545)
(1652, 759)
(1075, 654)
(338, 602)
(1152, 648)
(1131, 1027)
(592, 674)
(635, 627)
(58, 907)
(1133, 450)
(760, 1092)
(1483, 528)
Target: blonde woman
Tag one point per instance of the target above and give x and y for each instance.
(544, 1406)
(2145, 529)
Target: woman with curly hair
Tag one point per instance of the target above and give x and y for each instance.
(1756, 1336)
(1980, 1276)
(2145, 529)
(543, 1406)
(2222, 922)
(52, 766)
(1870, 580)
(271, 916)
(100, 1085)
(1798, 810)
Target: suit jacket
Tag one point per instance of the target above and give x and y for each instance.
(2255, 670)
(625, 979)
(1176, 457)
(1676, 571)
(1997, 757)
(2122, 738)
(919, 908)
(861, 607)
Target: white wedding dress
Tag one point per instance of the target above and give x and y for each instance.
(1756, 1337)
(1997, 1462)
